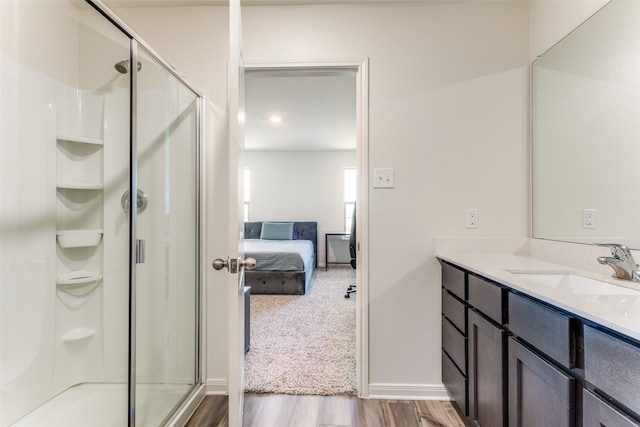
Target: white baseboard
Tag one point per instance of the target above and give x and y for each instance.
(216, 385)
(408, 391)
(376, 390)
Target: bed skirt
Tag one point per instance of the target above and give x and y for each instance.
(276, 282)
(280, 282)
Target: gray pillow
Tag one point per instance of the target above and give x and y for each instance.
(277, 231)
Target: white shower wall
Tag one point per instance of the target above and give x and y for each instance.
(27, 247)
(35, 363)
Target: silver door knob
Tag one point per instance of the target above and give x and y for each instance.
(219, 263)
(233, 264)
(249, 263)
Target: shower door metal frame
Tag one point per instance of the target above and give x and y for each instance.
(197, 390)
(133, 229)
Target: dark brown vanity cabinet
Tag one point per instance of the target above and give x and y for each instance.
(454, 280)
(611, 366)
(486, 371)
(454, 336)
(487, 338)
(544, 328)
(598, 413)
(510, 360)
(540, 394)
(475, 381)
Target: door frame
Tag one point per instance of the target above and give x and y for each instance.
(361, 67)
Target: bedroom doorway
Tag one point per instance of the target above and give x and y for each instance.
(320, 140)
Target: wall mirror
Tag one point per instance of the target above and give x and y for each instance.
(586, 131)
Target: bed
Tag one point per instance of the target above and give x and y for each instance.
(285, 254)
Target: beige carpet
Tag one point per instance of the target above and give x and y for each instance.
(304, 344)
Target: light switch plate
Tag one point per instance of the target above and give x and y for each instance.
(383, 178)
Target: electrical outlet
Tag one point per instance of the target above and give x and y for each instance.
(588, 218)
(472, 218)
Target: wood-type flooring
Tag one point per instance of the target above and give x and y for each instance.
(274, 410)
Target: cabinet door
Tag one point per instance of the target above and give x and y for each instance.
(455, 383)
(539, 393)
(597, 413)
(486, 371)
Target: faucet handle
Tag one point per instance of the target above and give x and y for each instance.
(619, 251)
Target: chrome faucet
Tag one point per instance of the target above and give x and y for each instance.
(621, 260)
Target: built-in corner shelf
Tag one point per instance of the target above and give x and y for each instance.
(79, 139)
(79, 194)
(78, 238)
(79, 185)
(78, 278)
(78, 334)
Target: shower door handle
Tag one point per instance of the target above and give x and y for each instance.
(232, 264)
(140, 251)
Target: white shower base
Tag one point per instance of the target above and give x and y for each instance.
(105, 405)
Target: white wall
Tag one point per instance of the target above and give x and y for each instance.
(551, 20)
(448, 110)
(195, 40)
(299, 186)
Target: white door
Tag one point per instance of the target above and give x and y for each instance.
(236, 218)
(234, 263)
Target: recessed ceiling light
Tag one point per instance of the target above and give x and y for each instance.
(275, 119)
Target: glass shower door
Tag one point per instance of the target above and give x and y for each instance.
(166, 272)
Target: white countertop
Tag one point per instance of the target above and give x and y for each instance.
(620, 313)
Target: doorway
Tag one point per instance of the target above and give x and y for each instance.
(292, 76)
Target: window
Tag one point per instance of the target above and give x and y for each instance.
(350, 191)
(247, 192)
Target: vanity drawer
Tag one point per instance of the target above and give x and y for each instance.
(598, 413)
(455, 344)
(544, 328)
(486, 297)
(454, 310)
(453, 279)
(612, 365)
(456, 383)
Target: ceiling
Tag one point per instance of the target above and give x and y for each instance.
(317, 110)
(176, 3)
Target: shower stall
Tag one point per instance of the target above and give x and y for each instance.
(99, 222)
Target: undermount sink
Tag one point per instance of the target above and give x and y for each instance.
(575, 284)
